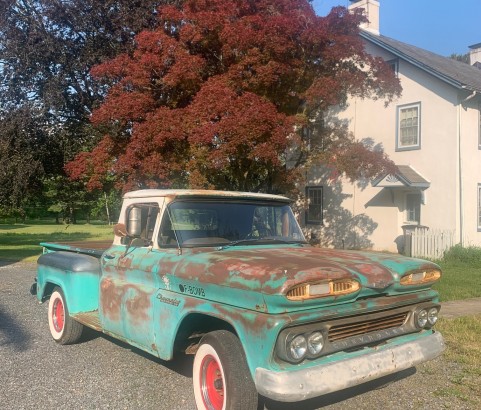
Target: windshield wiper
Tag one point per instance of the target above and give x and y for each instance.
(234, 243)
(268, 239)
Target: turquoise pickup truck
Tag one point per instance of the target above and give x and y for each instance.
(230, 278)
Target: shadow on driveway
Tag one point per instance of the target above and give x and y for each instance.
(11, 333)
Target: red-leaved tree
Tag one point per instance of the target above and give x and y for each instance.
(224, 93)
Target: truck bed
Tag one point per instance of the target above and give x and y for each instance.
(94, 248)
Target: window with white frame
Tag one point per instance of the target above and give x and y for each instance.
(413, 208)
(314, 205)
(408, 127)
(479, 207)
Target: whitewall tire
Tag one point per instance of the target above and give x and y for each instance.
(221, 377)
(63, 328)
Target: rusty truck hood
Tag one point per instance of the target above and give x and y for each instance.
(274, 269)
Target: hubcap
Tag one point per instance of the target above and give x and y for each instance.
(212, 384)
(58, 315)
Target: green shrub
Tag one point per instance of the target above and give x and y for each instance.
(457, 254)
(461, 274)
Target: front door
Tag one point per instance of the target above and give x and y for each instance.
(128, 288)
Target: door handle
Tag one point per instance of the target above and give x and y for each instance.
(108, 256)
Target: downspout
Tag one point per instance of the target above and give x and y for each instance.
(460, 179)
(460, 168)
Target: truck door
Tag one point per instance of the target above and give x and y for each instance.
(128, 286)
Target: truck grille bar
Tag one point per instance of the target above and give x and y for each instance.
(346, 330)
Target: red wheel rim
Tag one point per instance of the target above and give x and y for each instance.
(58, 315)
(212, 383)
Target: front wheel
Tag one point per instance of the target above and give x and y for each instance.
(62, 327)
(221, 377)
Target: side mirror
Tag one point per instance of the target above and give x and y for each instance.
(134, 222)
(120, 230)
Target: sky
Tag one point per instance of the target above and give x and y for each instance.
(441, 26)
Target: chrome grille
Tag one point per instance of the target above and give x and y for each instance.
(346, 330)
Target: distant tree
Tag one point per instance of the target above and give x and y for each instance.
(460, 57)
(66, 198)
(212, 96)
(107, 206)
(47, 48)
(20, 165)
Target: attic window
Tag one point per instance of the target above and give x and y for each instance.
(394, 64)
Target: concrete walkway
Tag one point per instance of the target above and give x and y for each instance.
(457, 308)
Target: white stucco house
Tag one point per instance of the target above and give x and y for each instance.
(432, 132)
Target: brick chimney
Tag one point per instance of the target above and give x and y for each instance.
(371, 11)
(475, 55)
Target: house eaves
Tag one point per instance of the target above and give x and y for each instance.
(456, 73)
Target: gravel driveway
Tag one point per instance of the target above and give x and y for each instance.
(101, 373)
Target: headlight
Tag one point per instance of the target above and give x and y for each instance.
(419, 277)
(315, 343)
(426, 316)
(298, 347)
(422, 318)
(433, 316)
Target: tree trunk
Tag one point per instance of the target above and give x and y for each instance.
(107, 208)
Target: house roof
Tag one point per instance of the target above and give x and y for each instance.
(406, 176)
(456, 73)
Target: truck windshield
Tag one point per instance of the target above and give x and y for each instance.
(208, 223)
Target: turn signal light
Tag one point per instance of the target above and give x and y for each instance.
(420, 277)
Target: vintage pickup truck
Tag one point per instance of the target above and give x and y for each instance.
(229, 277)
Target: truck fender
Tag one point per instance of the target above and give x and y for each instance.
(76, 274)
(71, 262)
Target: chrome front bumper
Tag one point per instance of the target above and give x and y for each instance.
(297, 385)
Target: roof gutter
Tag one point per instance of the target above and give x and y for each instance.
(462, 103)
(469, 97)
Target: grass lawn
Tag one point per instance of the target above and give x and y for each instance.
(461, 274)
(463, 349)
(21, 241)
(460, 280)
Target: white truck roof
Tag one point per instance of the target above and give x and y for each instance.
(149, 193)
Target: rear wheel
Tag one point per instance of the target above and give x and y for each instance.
(62, 327)
(221, 377)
